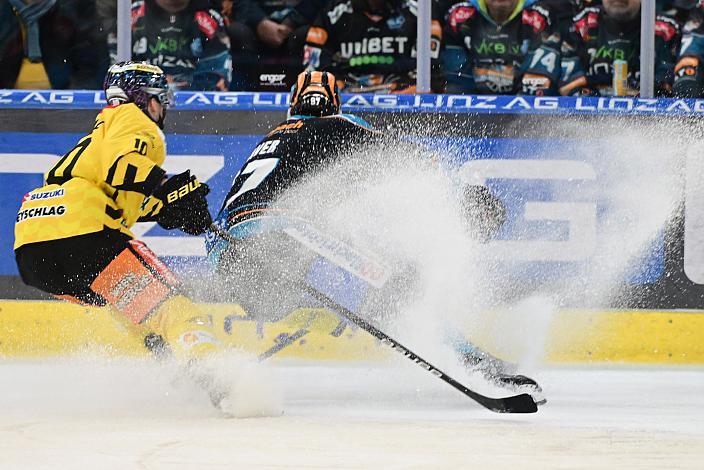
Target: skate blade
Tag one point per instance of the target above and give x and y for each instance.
(535, 391)
(532, 389)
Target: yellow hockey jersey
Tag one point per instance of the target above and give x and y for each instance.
(103, 182)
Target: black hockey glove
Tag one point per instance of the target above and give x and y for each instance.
(484, 213)
(185, 206)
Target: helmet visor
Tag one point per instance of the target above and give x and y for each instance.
(163, 95)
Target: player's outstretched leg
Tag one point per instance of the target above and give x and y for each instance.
(501, 373)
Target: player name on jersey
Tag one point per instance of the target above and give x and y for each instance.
(44, 211)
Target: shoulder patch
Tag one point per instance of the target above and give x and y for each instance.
(586, 20)
(460, 13)
(585, 12)
(338, 10)
(666, 27)
(356, 120)
(206, 23)
(138, 11)
(536, 19)
(216, 16)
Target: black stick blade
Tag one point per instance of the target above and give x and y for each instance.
(522, 403)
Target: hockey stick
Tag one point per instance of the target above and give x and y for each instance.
(288, 340)
(522, 403)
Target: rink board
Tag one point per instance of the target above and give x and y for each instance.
(551, 178)
(51, 328)
(512, 139)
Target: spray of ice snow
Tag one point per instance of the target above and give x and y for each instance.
(395, 203)
(251, 389)
(97, 385)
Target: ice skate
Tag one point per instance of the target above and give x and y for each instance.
(184, 332)
(501, 373)
(520, 384)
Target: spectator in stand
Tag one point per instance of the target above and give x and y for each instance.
(677, 9)
(267, 39)
(51, 44)
(488, 44)
(689, 79)
(564, 10)
(186, 39)
(601, 54)
(370, 45)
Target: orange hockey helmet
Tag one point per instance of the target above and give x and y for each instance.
(315, 94)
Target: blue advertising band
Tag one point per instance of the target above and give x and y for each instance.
(270, 101)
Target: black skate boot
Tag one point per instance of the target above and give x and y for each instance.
(520, 384)
(501, 373)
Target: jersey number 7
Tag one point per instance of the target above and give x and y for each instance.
(257, 170)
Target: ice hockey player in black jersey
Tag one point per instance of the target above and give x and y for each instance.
(272, 248)
(314, 134)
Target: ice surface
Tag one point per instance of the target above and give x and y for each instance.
(135, 414)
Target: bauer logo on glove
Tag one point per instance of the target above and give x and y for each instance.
(185, 206)
(183, 191)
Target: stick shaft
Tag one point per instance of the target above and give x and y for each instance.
(523, 403)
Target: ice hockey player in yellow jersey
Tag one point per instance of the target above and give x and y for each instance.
(72, 235)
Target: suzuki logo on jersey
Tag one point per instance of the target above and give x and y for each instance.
(171, 61)
(265, 148)
(43, 195)
(385, 45)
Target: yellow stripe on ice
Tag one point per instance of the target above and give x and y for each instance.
(50, 328)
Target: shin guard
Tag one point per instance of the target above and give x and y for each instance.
(136, 282)
(140, 286)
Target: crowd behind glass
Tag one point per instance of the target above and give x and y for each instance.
(535, 47)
